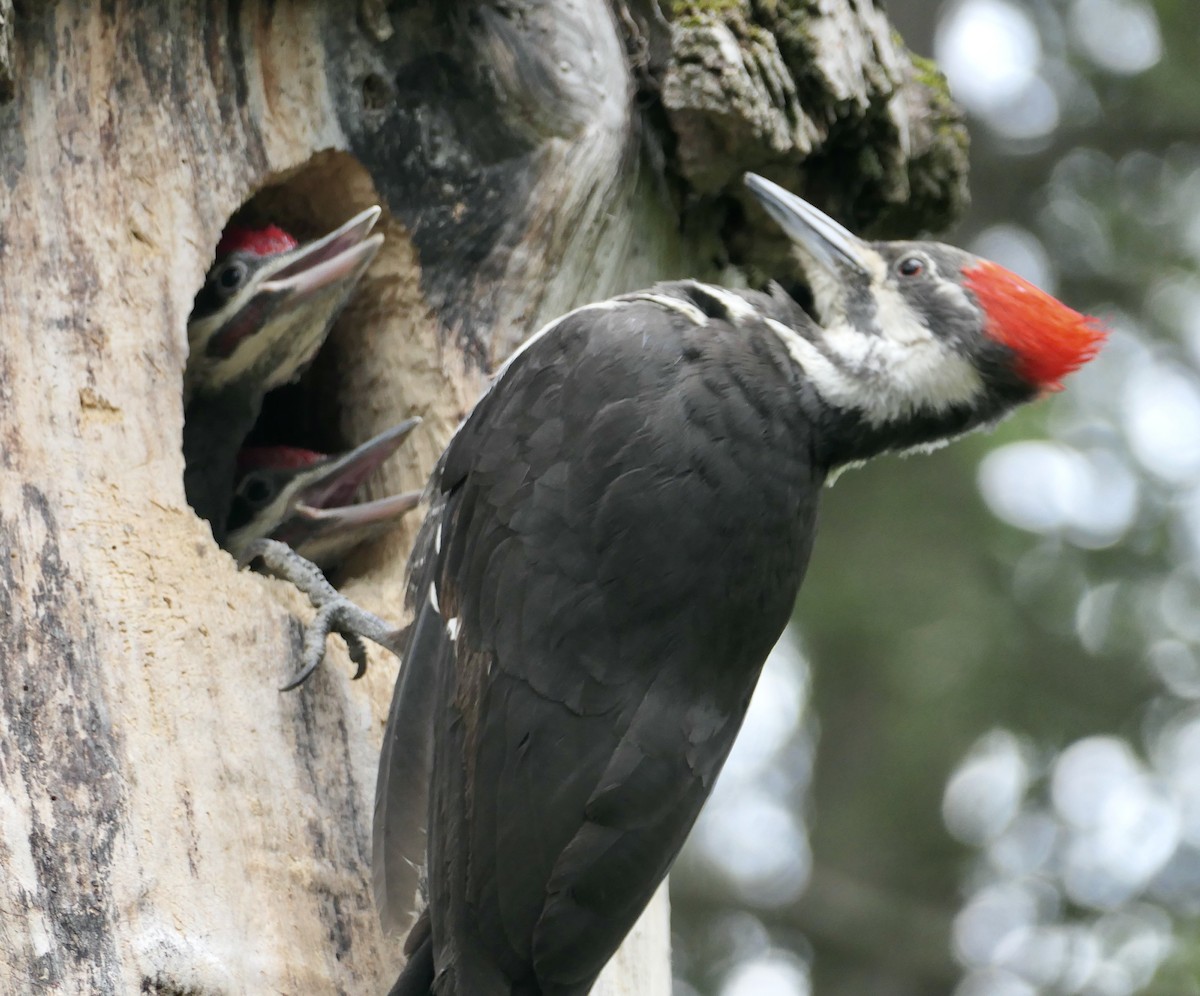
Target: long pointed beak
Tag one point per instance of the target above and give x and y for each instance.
(829, 244)
(272, 330)
(335, 482)
(326, 535)
(324, 526)
(315, 499)
(313, 266)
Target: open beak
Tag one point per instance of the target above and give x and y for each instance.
(327, 535)
(314, 266)
(312, 506)
(270, 332)
(826, 242)
(324, 525)
(334, 481)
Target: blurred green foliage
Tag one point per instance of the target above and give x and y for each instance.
(928, 621)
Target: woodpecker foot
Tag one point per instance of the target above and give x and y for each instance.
(335, 612)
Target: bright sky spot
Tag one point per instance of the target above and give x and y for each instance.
(1087, 773)
(1026, 846)
(748, 828)
(1161, 408)
(758, 841)
(993, 982)
(1118, 858)
(1188, 512)
(771, 975)
(1130, 828)
(771, 721)
(1040, 952)
(1175, 299)
(1094, 615)
(1177, 752)
(1032, 113)
(990, 916)
(1176, 666)
(1179, 603)
(1033, 484)
(989, 51)
(984, 794)
(1047, 487)
(1019, 250)
(1121, 36)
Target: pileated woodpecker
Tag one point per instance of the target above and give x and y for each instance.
(304, 499)
(264, 311)
(616, 537)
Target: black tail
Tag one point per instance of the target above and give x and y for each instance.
(416, 979)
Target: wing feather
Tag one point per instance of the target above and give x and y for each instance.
(621, 554)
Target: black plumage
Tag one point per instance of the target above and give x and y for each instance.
(617, 537)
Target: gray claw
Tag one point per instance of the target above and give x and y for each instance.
(335, 613)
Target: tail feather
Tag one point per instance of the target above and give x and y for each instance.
(416, 979)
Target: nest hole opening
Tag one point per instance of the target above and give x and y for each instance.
(263, 385)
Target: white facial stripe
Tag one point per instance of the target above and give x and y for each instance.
(433, 599)
(951, 289)
(452, 628)
(826, 378)
(896, 321)
(885, 379)
(274, 514)
(304, 338)
(827, 291)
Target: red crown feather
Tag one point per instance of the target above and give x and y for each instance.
(276, 458)
(1050, 339)
(260, 241)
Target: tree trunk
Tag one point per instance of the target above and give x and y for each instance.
(170, 821)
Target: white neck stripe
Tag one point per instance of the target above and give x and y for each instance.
(547, 328)
(685, 308)
(883, 379)
(738, 308)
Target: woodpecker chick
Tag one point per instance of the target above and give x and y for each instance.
(615, 540)
(304, 499)
(267, 303)
(265, 309)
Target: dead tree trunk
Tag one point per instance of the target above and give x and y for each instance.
(169, 821)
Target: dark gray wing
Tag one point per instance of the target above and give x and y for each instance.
(627, 519)
(406, 760)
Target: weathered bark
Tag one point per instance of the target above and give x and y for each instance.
(169, 821)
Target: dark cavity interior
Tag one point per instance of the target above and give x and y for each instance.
(308, 203)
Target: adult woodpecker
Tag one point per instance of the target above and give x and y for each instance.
(304, 498)
(265, 308)
(615, 540)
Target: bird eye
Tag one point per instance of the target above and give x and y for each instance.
(911, 266)
(230, 275)
(256, 491)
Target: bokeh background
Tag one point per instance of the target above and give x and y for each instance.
(973, 766)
